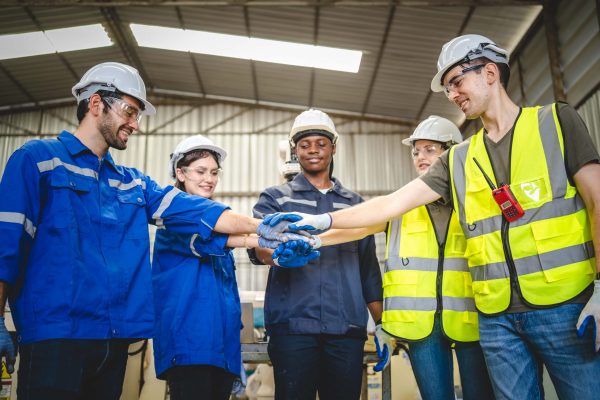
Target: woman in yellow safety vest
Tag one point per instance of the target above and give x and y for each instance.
(428, 299)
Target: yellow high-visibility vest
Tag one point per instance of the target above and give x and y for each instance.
(549, 251)
(422, 277)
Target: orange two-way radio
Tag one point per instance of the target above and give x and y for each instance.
(503, 196)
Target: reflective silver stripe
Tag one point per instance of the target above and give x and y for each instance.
(412, 263)
(456, 264)
(458, 303)
(341, 205)
(164, 204)
(554, 158)
(49, 165)
(194, 236)
(410, 303)
(458, 178)
(532, 264)
(552, 209)
(18, 218)
(126, 186)
(287, 199)
(393, 244)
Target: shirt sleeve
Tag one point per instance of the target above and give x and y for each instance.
(265, 205)
(579, 147)
(370, 273)
(180, 212)
(20, 204)
(215, 246)
(437, 177)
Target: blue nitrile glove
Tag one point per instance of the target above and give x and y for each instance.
(591, 313)
(294, 254)
(7, 348)
(385, 345)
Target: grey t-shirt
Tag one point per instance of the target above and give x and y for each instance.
(579, 151)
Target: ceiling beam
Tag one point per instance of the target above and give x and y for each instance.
(252, 63)
(313, 72)
(269, 3)
(384, 38)
(553, 44)
(461, 30)
(123, 36)
(192, 58)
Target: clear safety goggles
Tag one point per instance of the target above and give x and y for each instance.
(124, 109)
(455, 82)
(428, 151)
(200, 173)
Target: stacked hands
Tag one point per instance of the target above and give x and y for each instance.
(287, 234)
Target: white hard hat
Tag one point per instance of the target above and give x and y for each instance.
(312, 121)
(462, 50)
(435, 128)
(113, 76)
(196, 142)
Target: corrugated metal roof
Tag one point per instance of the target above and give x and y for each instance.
(395, 87)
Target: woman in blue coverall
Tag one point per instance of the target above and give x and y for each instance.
(198, 317)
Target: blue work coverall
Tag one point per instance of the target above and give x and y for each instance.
(322, 303)
(75, 242)
(198, 315)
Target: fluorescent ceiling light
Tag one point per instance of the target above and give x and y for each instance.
(246, 48)
(53, 41)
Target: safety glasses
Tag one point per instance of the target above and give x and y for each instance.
(124, 109)
(429, 150)
(455, 82)
(199, 173)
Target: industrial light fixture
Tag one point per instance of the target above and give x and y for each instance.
(53, 41)
(247, 48)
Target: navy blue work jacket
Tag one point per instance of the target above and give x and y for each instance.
(75, 242)
(198, 315)
(328, 295)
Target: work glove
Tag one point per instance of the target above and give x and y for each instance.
(7, 348)
(591, 313)
(274, 230)
(302, 221)
(385, 345)
(294, 254)
(286, 237)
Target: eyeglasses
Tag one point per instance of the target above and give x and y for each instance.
(199, 173)
(456, 80)
(429, 150)
(124, 109)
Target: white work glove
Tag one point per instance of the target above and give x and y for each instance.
(385, 345)
(591, 312)
(321, 222)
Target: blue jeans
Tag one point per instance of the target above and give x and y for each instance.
(516, 345)
(305, 364)
(69, 369)
(431, 361)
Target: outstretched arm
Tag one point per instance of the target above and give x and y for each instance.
(337, 236)
(384, 208)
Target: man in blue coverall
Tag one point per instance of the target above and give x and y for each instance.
(74, 256)
(316, 316)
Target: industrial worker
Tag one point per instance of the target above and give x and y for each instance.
(428, 299)
(316, 316)
(535, 276)
(196, 300)
(74, 257)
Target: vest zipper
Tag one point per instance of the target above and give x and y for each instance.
(440, 266)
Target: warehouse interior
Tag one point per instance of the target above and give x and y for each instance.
(247, 106)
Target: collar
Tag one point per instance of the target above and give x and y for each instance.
(301, 184)
(76, 148)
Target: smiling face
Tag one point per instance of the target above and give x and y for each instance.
(115, 125)
(424, 153)
(468, 88)
(315, 153)
(200, 177)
